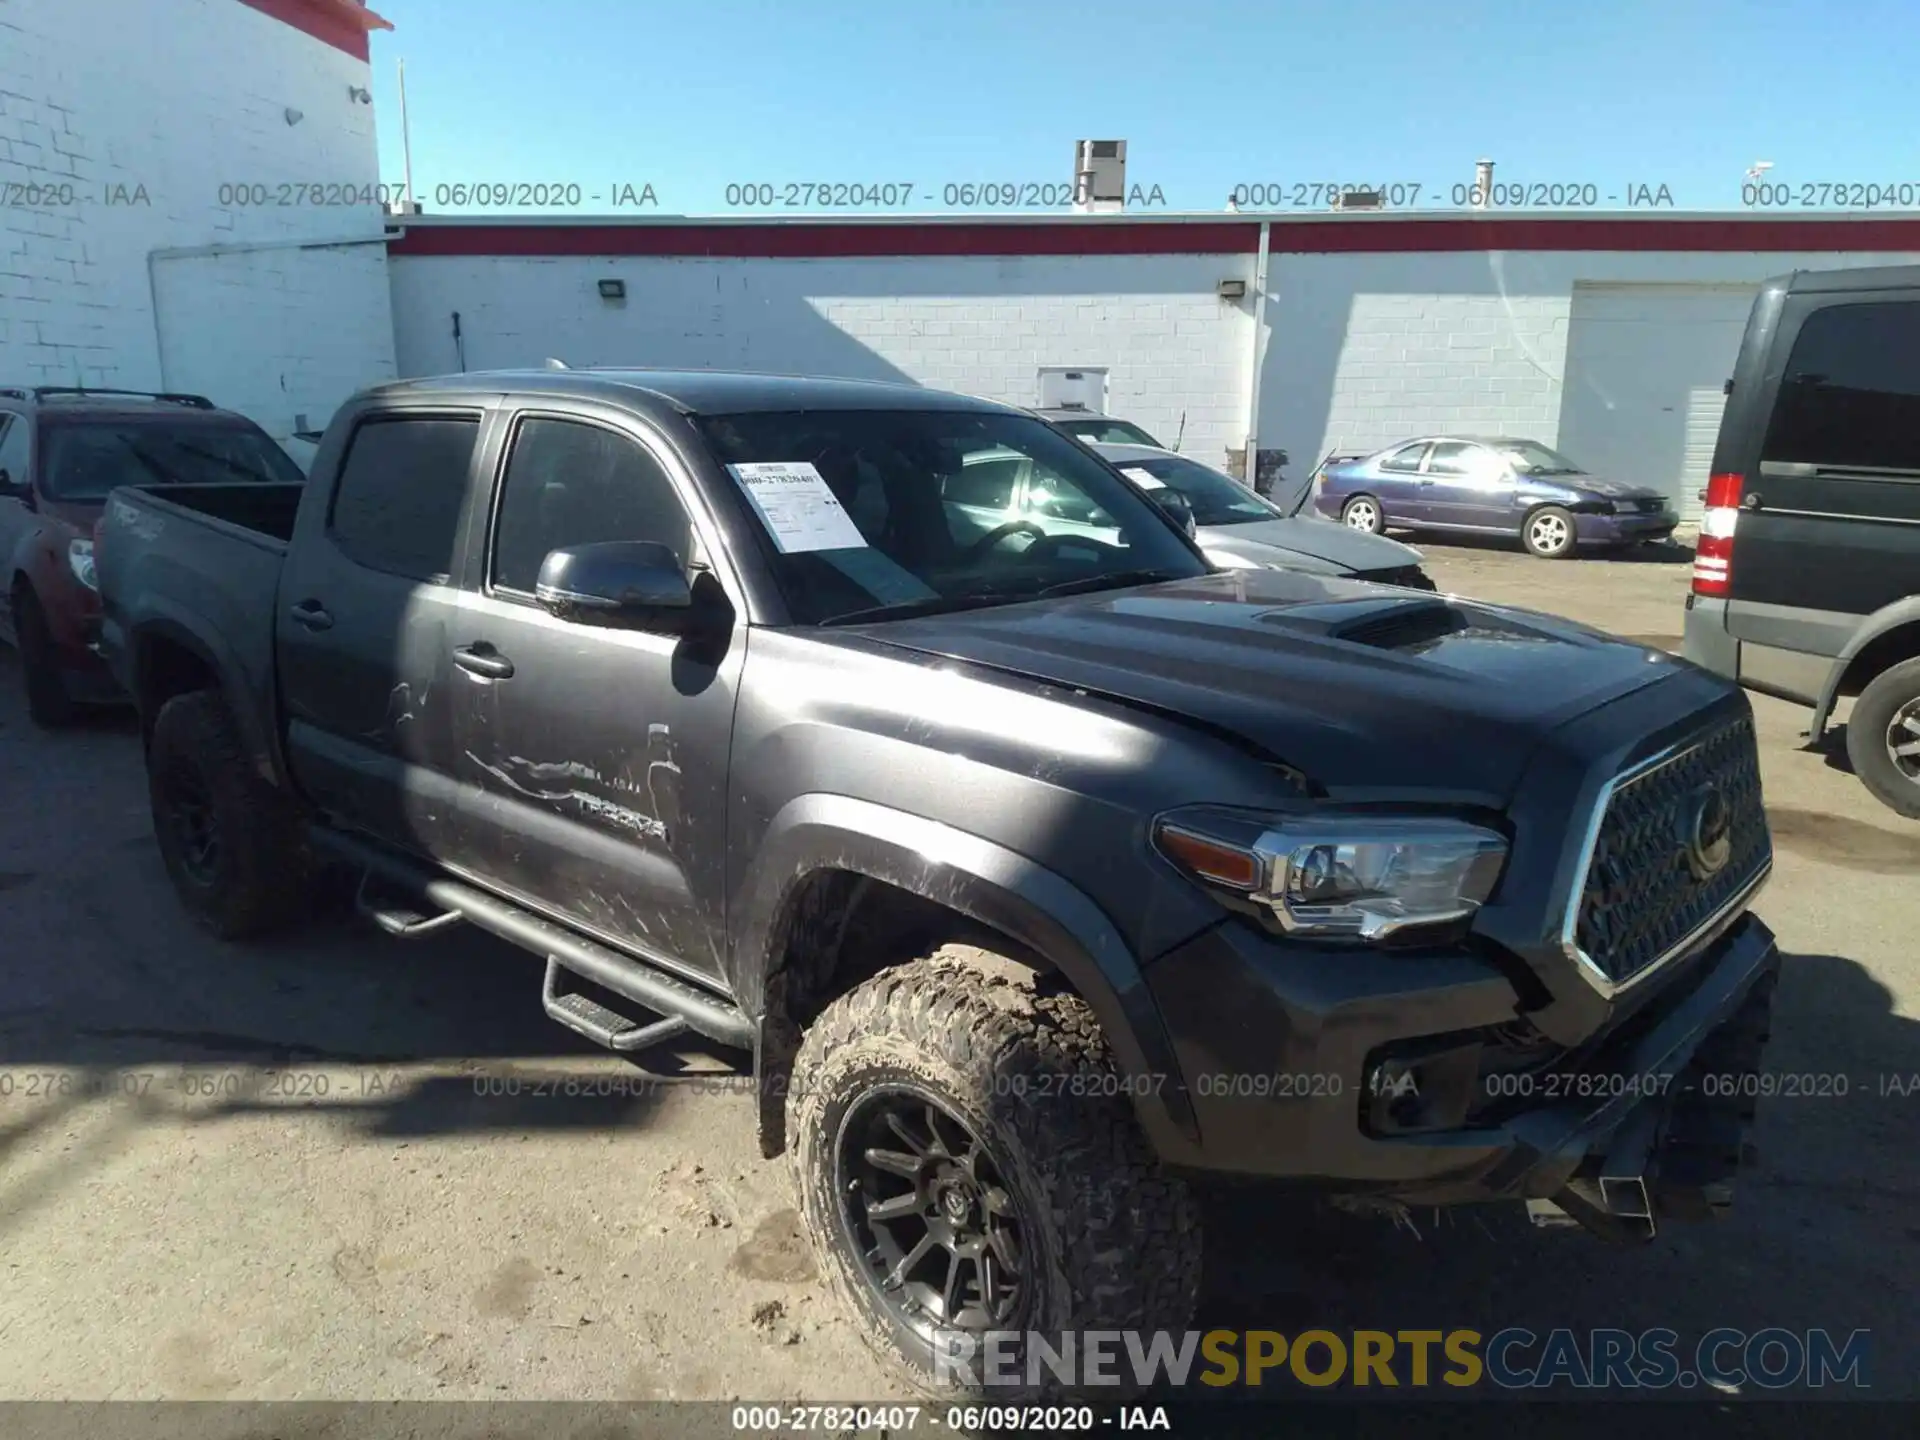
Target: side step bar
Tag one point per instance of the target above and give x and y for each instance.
(586, 1016)
(685, 1006)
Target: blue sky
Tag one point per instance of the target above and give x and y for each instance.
(1208, 94)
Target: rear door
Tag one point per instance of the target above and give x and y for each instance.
(366, 603)
(1829, 527)
(592, 760)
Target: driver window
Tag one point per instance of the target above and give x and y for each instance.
(1049, 497)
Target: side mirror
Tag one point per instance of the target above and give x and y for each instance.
(631, 583)
(1175, 504)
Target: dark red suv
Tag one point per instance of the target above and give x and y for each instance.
(61, 451)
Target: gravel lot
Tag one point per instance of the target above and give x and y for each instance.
(277, 1172)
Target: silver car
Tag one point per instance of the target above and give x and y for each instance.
(1239, 530)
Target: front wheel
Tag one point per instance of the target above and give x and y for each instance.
(1883, 738)
(969, 1165)
(48, 704)
(1548, 533)
(1363, 513)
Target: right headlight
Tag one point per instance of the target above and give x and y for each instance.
(1342, 877)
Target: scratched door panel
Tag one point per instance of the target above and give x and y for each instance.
(592, 781)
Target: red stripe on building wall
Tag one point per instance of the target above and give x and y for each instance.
(1592, 233)
(786, 239)
(342, 24)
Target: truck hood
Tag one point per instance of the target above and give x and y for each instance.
(1338, 549)
(1367, 690)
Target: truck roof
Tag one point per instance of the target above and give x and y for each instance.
(694, 392)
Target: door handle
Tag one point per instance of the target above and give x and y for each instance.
(311, 614)
(483, 659)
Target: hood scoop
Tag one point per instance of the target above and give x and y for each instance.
(1403, 626)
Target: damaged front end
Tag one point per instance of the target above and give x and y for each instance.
(1676, 1155)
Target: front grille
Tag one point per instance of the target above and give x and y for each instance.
(1644, 897)
(1410, 577)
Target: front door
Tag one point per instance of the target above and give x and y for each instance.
(365, 601)
(593, 760)
(1398, 484)
(1469, 486)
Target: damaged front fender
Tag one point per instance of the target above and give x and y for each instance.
(976, 878)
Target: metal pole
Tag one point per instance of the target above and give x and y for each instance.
(406, 137)
(1253, 370)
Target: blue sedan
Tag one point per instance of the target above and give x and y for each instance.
(1492, 486)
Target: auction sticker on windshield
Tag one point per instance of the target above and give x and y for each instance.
(798, 508)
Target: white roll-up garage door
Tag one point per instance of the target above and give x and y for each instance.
(1647, 367)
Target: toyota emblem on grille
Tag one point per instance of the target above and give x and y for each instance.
(1707, 838)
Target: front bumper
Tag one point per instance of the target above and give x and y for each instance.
(1294, 1058)
(1623, 529)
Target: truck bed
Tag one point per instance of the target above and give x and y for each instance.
(265, 510)
(207, 559)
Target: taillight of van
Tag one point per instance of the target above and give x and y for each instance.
(1713, 553)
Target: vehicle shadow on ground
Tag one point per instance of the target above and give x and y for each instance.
(1670, 552)
(1819, 1236)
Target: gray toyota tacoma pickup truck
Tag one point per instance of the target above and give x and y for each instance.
(1042, 878)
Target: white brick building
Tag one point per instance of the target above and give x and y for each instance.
(156, 225)
(1608, 335)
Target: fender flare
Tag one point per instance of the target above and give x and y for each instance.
(165, 622)
(999, 888)
(1884, 621)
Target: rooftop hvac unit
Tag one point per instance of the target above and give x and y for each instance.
(1360, 200)
(1099, 175)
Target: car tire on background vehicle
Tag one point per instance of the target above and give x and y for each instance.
(1363, 513)
(1548, 532)
(1888, 709)
(231, 843)
(48, 704)
(966, 1051)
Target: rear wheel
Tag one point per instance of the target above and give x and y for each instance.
(48, 704)
(969, 1164)
(1883, 738)
(1548, 533)
(231, 842)
(1363, 512)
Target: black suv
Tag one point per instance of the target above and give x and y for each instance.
(1040, 874)
(1806, 584)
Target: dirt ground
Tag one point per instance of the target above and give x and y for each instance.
(301, 1170)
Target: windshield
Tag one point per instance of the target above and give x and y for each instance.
(1533, 459)
(1098, 430)
(1215, 499)
(879, 513)
(86, 459)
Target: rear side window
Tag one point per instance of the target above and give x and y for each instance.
(1407, 457)
(397, 507)
(1851, 393)
(573, 484)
